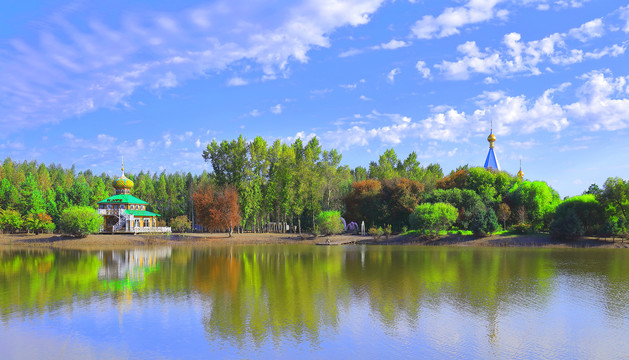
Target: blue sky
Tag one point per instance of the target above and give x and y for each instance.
(84, 82)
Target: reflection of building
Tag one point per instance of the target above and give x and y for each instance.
(126, 213)
(130, 265)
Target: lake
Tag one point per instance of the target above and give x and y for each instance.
(314, 302)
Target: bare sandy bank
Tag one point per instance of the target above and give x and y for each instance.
(102, 242)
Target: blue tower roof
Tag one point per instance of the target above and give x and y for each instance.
(492, 162)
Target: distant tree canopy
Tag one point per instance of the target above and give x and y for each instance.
(293, 183)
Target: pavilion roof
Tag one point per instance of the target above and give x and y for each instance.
(141, 213)
(123, 199)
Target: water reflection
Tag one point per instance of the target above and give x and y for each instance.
(260, 295)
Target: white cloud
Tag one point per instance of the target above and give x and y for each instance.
(392, 74)
(451, 20)
(423, 70)
(603, 102)
(277, 109)
(236, 81)
(526, 57)
(589, 30)
(624, 15)
(197, 143)
(364, 98)
(351, 52)
(254, 113)
(392, 45)
(80, 65)
(300, 135)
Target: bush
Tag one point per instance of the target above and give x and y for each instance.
(387, 231)
(329, 222)
(10, 220)
(484, 223)
(180, 224)
(567, 227)
(433, 217)
(80, 221)
(37, 223)
(376, 232)
(521, 228)
(587, 210)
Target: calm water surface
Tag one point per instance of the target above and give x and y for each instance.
(314, 302)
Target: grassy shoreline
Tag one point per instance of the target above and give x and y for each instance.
(104, 242)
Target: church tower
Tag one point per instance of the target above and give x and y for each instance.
(491, 162)
(520, 173)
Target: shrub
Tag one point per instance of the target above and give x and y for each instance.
(521, 228)
(587, 210)
(376, 232)
(484, 223)
(39, 223)
(387, 231)
(433, 217)
(329, 222)
(567, 227)
(80, 221)
(10, 220)
(180, 224)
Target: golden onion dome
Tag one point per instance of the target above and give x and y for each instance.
(491, 137)
(122, 183)
(520, 174)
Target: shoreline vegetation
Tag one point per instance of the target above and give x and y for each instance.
(120, 241)
(257, 187)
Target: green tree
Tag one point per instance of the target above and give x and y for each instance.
(180, 224)
(329, 222)
(9, 195)
(80, 192)
(588, 211)
(80, 221)
(614, 199)
(568, 226)
(38, 223)
(31, 198)
(386, 167)
(484, 223)
(539, 201)
(10, 220)
(433, 217)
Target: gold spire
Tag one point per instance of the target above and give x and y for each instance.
(122, 161)
(520, 173)
(491, 138)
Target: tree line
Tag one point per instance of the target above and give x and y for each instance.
(256, 183)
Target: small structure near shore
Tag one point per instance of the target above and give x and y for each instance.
(125, 213)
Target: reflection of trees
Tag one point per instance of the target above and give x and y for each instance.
(38, 281)
(401, 281)
(255, 293)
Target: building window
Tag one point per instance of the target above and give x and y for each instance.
(122, 207)
(136, 223)
(146, 223)
(108, 206)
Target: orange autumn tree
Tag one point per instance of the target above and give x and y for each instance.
(217, 208)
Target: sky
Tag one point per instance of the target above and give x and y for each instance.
(86, 82)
